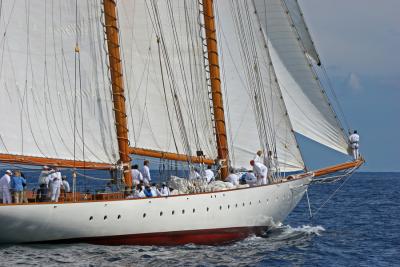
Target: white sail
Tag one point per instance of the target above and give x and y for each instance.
(156, 72)
(37, 83)
(309, 111)
(242, 118)
(301, 27)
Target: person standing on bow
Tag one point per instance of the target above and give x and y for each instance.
(44, 179)
(146, 172)
(56, 181)
(5, 184)
(260, 171)
(354, 139)
(17, 184)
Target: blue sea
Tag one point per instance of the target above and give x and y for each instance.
(359, 226)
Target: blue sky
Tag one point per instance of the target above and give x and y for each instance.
(359, 44)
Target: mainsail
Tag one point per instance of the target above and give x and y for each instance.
(168, 101)
(309, 110)
(56, 98)
(257, 117)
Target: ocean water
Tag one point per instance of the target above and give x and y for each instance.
(359, 226)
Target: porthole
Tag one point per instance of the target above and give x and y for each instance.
(105, 217)
(220, 207)
(161, 213)
(250, 203)
(243, 204)
(211, 196)
(229, 206)
(119, 216)
(183, 211)
(173, 212)
(208, 208)
(236, 205)
(144, 215)
(90, 218)
(194, 210)
(259, 201)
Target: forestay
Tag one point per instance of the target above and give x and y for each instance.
(309, 111)
(168, 102)
(52, 105)
(241, 65)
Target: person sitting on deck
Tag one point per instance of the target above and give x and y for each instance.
(260, 171)
(164, 190)
(146, 172)
(248, 178)
(354, 139)
(194, 174)
(154, 190)
(209, 174)
(233, 177)
(17, 185)
(5, 185)
(147, 191)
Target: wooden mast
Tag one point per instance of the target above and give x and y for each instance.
(114, 56)
(216, 93)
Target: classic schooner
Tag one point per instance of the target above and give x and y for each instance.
(87, 84)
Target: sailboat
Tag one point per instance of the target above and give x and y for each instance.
(92, 85)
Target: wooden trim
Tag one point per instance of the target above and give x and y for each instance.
(339, 167)
(216, 93)
(168, 155)
(64, 163)
(114, 57)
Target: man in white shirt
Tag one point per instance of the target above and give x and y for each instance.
(259, 157)
(56, 182)
(146, 172)
(194, 174)
(164, 190)
(209, 174)
(260, 171)
(136, 175)
(5, 181)
(65, 184)
(354, 139)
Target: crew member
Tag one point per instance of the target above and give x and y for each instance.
(5, 181)
(260, 171)
(209, 174)
(233, 178)
(354, 139)
(56, 182)
(43, 184)
(136, 175)
(164, 190)
(146, 172)
(17, 184)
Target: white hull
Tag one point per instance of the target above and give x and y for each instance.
(198, 218)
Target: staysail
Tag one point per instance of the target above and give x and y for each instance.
(309, 110)
(56, 98)
(247, 77)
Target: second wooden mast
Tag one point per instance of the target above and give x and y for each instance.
(216, 92)
(114, 57)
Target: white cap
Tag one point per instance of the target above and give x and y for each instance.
(8, 171)
(45, 167)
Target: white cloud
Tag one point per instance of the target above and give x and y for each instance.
(354, 82)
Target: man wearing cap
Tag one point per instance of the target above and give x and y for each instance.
(146, 172)
(260, 171)
(354, 139)
(5, 187)
(56, 181)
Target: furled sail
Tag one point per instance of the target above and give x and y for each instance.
(55, 102)
(301, 27)
(241, 66)
(168, 101)
(309, 110)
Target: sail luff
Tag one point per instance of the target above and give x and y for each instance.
(110, 15)
(218, 106)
